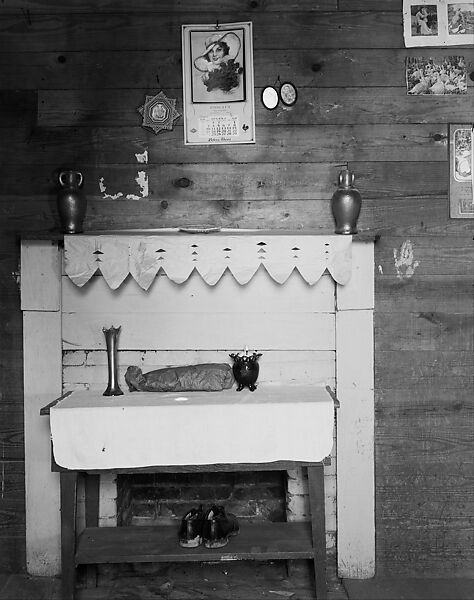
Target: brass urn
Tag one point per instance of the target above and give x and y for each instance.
(345, 204)
(71, 201)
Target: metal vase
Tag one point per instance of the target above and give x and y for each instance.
(71, 201)
(345, 204)
(111, 339)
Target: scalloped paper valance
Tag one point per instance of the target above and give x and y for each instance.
(178, 254)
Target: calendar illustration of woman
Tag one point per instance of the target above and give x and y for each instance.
(218, 69)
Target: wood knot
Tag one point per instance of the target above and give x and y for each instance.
(164, 204)
(183, 182)
(316, 67)
(225, 204)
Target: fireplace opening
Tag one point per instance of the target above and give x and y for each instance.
(164, 498)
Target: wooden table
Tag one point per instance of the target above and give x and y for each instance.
(259, 541)
(256, 540)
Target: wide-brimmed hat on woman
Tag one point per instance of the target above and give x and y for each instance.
(229, 37)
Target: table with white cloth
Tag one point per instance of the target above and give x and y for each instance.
(277, 427)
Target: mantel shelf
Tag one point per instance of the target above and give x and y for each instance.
(58, 236)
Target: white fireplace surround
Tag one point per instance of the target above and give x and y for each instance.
(349, 261)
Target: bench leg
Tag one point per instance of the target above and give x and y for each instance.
(68, 490)
(318, 527)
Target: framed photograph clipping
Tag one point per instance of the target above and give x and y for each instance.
(218, 84)
(438, 23)
(461, 164)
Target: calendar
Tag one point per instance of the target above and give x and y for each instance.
(218, 84)
(219, 128)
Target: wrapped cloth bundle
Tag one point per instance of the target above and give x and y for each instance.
(211, 377)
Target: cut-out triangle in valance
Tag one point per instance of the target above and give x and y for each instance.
(178, 254)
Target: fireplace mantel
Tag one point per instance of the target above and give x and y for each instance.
(48, 300)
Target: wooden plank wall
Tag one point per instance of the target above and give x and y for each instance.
(71, 78)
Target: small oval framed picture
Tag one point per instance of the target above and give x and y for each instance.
(288, 93)
(269, 97)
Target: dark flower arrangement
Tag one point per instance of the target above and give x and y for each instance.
(225, 78)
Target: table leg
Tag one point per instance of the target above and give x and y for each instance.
(318, 526)
(92, 488)
(68, 489)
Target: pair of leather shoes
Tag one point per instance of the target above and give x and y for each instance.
(212, 527)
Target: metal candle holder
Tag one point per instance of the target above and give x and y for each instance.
(111, 337)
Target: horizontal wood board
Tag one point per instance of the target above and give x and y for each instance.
(207, 182)
(196, 316)
(325, 68)
(186, 331)
(72, 77)
(263, 541)
(321, 106)
(145, 6)
(195, 296)
(279, 143)
(401, 216)
(90, 31)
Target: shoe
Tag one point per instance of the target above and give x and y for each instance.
(218, 527)
(190, 531)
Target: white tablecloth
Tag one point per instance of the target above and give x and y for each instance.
(276, 422)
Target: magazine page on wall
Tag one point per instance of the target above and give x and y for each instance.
(461, 169)
(218, 84)
(438, 23)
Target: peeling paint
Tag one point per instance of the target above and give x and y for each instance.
(380, 269)
(404, 259)
(16, 277)
(103, 189)
(347, 56)
(142, 181)
(142, 158)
